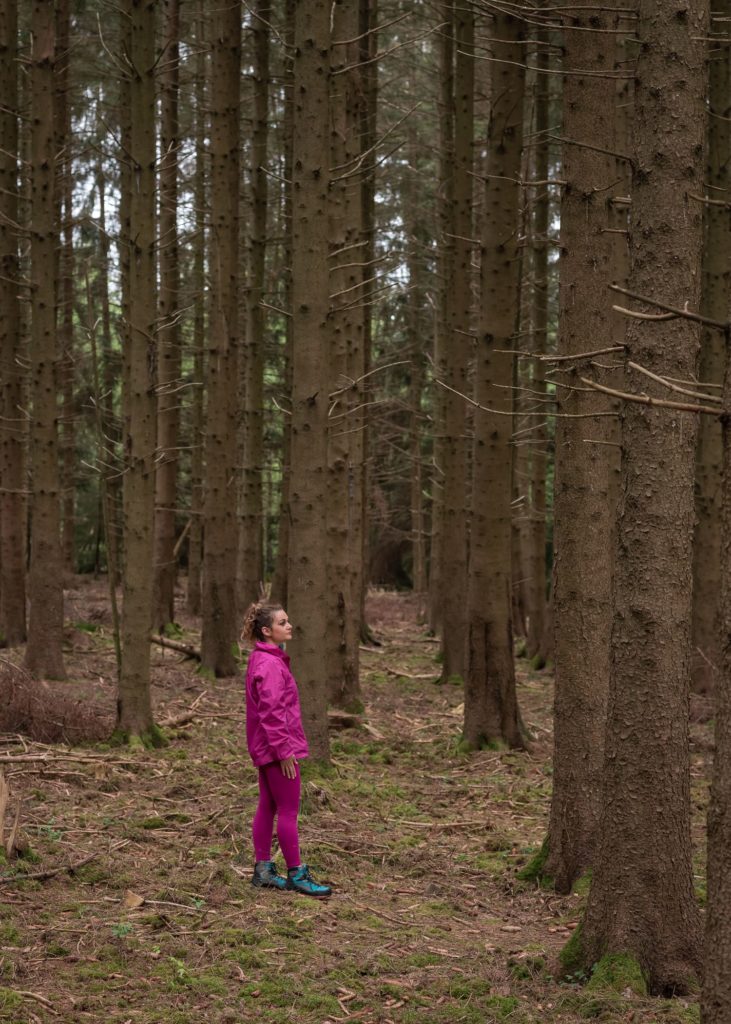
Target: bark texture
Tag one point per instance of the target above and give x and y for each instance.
(491, 708)
(12, 436)
(535, 534)
(457, 358)
(44, 656)
(583, 512)
(251, 537)
(706, 658)
(134, 709)
(716, 995)
(279, 579)
(168, 336)
(307, 576)
(641, 901)
(345, 360)
(195, 536)
(220, 628)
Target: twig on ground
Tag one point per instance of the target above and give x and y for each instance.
(40, 876)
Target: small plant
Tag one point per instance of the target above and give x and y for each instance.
(121, 930)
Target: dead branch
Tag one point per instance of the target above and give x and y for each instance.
(720, 325)
(672, 386)
(523, 415)
(175, 645)
(643, 399)
(40, 876)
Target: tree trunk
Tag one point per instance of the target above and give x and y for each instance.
(168, 338)
(445, 259)
(44, 657)
(583, 512)
(65, 280)
(220, 630)
(643, 859)
(251, 542)
(12, 436)
(457, 362)
(279, 580)
(535, 553)
(134, 710)
(308, 584)
(716, 995)
(491, 708)
(716, 274)
(369, 132)
(110, 376)
(345, 339)
(195, 537)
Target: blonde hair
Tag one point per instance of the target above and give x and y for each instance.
(257, 616)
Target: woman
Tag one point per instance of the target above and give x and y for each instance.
(276, 742)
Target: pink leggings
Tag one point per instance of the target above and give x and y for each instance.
(278, 796)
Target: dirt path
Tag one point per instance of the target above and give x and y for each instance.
(428, 921)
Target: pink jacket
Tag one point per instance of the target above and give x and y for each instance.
(273, 719)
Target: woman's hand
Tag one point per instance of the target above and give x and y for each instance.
(289, 767)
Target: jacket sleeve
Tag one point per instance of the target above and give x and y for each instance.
(272, 715)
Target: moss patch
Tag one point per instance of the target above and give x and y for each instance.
(533, 871)
(617, 972)
(571, 956)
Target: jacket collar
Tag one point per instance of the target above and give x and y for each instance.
(271, 649)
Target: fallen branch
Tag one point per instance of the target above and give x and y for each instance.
(38, 999)
(175, 645)
(43, 875)
(409, 675)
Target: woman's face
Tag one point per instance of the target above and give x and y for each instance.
(280, 630)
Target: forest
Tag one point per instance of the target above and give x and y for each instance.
(414, 319)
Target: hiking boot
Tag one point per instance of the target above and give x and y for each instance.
(300, 880)
(266, 876)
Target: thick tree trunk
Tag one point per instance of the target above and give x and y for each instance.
(12, 436)
(716, 275)
(445, 259)
(251, 536)
(65, 280)
(535, 534)
(459, 285)
(168, 338)
(220, 629)
(369, 132)
(279, 579)
(716, 996)
(643, 860)
(110, 375)
(491, 707)
(583, 512)
(345, 340)
(134, 710)
(195, 537)
(308, 585)
(45, 626)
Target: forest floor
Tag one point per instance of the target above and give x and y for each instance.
(428, 921)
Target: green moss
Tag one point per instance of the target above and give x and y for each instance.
(533, 871)
(571, 956)
(152, 739)
(9, 934)
(582, 884)
(465, 746)
(526, 968)
(55, 949)
(617, 972)
(9, 1000)
(538, 662)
